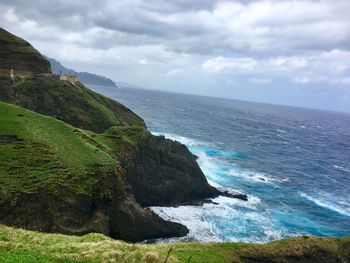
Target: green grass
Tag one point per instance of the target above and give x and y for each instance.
(72, 103)
(17, 245)
(39, 151)
(18, 54)
(46, 151)
(15, 44)
(130, 134)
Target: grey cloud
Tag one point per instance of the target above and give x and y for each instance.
(212, 44)
(201, 27)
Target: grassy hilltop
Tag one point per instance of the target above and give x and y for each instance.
(18, 54)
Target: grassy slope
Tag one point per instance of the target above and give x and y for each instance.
(14, 44)
(18, 54)
(73, 103)
(18, 245)
(48, 152)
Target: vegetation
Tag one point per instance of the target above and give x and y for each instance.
(72, 103)
(18, 245)
(38, 150)
(18, 44)
(18, 54)
(45, 151)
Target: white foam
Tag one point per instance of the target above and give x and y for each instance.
(325, 204)
(201, 228)
(252, 202)
(184, 140)
(227, 218)
(281, 131)
(256, 176)
(341, 168)
(191, 216)
(209, 168)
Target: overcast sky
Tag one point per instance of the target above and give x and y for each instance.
(282, 52)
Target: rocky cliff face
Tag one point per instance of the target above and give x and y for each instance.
(18, 54)
(163, 172)
(110, 210)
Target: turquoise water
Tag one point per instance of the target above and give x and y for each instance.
(294, 165)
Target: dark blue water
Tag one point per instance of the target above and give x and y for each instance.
(293, 163)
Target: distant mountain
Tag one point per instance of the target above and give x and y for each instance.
(127, 85)
(84, 77)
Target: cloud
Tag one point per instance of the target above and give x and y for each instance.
(204, 27)
(175, 72)
(213, 44)
(260, 81)
(302, 80)
(331, 67)
(233, 65)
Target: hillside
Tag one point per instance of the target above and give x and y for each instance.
(84, 77)
(24, 246)
(156, 168)
(67, 180)
(18, 54)
(72, 103)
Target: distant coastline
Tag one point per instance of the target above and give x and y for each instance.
(84, 77)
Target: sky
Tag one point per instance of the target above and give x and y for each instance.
(293, 52)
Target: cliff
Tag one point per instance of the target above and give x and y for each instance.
(78, 167)
(18, 54)
(162, 172)
(57, 178)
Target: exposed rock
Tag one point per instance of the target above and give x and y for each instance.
(241, 196)
(118, 216)
(164, 172)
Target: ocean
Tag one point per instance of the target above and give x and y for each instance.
(293, 163)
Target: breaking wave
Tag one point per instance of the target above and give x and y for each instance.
(328, 204)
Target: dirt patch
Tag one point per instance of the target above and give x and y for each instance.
(4, 139)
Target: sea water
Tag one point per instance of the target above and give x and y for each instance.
(293, 163)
